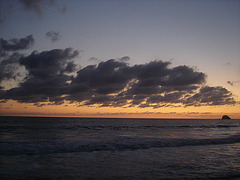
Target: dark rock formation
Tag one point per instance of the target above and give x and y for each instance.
(225, 117)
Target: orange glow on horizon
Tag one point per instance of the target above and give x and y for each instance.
(12, 108)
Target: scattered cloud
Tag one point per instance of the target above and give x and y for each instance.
(94, 59)
(113, 83)
(37, 6)
(32, 5)
(125, 58)
(232, 82)
(227, 64)
(53, 36)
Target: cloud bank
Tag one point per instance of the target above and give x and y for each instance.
(52, 78)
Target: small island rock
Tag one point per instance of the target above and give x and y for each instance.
(225, 117)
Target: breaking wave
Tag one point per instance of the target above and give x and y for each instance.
(117, 144)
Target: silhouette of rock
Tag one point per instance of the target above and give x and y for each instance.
(225, 117)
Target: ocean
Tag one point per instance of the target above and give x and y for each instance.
(92, 148)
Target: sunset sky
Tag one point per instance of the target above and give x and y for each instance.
(120, 58)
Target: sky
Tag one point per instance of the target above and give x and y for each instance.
(120, 58)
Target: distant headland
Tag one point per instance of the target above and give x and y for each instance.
(225, 117)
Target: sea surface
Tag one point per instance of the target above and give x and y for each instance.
(84, 148)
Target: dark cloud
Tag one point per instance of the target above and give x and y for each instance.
(16, 44)
(53, 36)
(47, 76)
(37, 6)
(9, 58)
(113, 83)
(49, 63)
(71, 67)
(9, 67)
(108, 77)
(211, 96)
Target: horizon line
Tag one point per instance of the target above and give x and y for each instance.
(92, 117)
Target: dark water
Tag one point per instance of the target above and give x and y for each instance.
(72, 148)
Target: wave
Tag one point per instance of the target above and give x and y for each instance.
(99, 127)
(118, 144)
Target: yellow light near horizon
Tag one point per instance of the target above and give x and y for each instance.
(72, 110)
